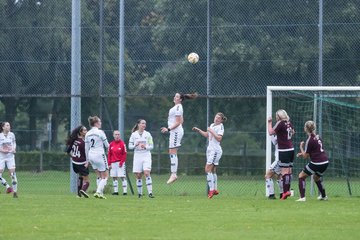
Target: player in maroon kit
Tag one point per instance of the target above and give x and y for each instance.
(284, 131)
(318, 161)
(76, 149)
(116, 161)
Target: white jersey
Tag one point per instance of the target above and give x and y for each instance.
(213, 143)
(95, 141)
(143, 138)
(7, 143)
(176, 111)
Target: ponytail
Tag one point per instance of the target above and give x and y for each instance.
(184, 96)
(136, 126)
(223, 117)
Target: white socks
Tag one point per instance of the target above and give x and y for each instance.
(101, 185)
(210, 181)
(3, 181)
(174, 163)
(269, 187)
(215, 181)
(124, 185)
(139, 186)
(14, 181)
(116, 184)
(149, 184)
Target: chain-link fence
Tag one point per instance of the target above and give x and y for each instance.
(244, 46)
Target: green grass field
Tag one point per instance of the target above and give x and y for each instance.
(46, 210)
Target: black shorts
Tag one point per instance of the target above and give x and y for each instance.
(286, 159)
(316, 169)
(80, 169)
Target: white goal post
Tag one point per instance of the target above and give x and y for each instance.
(269, 105)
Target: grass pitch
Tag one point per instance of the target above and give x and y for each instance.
(44, 211)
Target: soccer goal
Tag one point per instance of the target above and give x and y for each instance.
(336, 112)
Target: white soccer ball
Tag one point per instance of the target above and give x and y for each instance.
(193, 58)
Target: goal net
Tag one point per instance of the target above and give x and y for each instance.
(336, 112)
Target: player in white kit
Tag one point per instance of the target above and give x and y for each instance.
(273, 170)
(175, 121)
(142, 143)
(7, 157)
(95, 142)
(214, 151)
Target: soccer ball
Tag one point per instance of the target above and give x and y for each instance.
(193, 58)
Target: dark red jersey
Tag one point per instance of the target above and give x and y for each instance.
(117, 152)
(314, 147)
(77, 151)
(284, 131)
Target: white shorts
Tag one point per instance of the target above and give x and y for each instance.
(175, 138)
(142, 162)
(9, 162)
(98, 161)
(116, 170)
(275, 168)
(213, 156)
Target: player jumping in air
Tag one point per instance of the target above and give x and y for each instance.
(175, 121)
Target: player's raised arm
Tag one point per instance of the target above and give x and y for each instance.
(201, 132)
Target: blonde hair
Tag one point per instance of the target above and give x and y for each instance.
(310, 127)
(92, 120)
(223, 117)
(282, 115)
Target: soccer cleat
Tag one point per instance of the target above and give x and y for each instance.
(285, 195)
(272, 197)
(211, 194)
(83, 193)
(172, 178)
(15, 195)
(115, 193)
(151, 195)
(139, 196)
(281, 195)
(101, 196)
(124, 194)
(97, 195)
(322, 198)
(216, 192)
(301, 199)
(9, 190)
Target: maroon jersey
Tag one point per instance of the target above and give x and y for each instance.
(315, 149)
(284, 132)
(77, 151)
